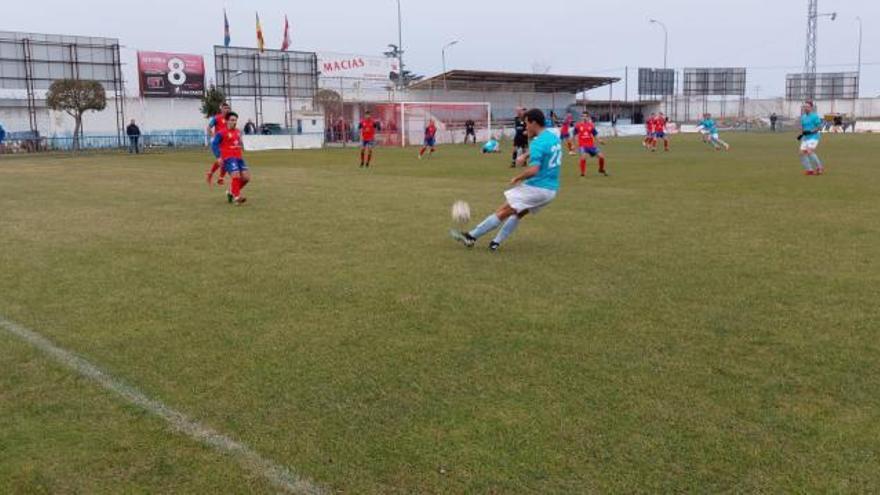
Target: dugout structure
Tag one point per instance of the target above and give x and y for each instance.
(31, 62)
(822, 86)
(251, 73)
(705, 82)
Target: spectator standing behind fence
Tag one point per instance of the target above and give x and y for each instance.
(2, 134)
(773, 120)
(250, 127)
(134, 135)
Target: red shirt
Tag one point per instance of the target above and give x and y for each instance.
(219, 123)
(585, 134)
(430, 131)
(230, 144)
(649, 124)
(368, 129)
(660, 124)
(566, 125)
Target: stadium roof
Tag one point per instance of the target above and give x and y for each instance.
(497, 81)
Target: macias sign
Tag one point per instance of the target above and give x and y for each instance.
(356, 66)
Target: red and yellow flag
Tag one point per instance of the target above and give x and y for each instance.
(261, 42)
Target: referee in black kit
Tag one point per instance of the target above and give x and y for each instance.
(520, 140)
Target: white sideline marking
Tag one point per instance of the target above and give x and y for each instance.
(278, 475)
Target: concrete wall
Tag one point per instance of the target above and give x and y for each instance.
(155, 115)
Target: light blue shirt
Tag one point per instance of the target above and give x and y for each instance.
(710, 126)
(490, 146)
(546, 153)
(811, 123)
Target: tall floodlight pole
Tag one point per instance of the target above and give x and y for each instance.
(859, 72)
(665, 42)
(665, 57)
(401, 81)
(813, 16)
(443, 53)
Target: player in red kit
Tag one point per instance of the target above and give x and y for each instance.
(430, 139)
(217, 125)
(368, 128)
(660, 131)
(229, 143)
(649, 132)
(565, 132)
(586, 133)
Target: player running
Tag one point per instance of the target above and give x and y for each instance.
(520, 140)
(660, 131)
(430, 139)
(533, 189)
(229, 143)
(216, 125)
(709, 126)
(811, 123)
(587, 134)
(368, 128)
(565, 132)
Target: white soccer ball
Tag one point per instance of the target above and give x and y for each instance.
(461, 212)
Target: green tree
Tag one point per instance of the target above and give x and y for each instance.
(212, 100)
(75, 98)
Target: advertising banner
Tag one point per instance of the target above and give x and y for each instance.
(171, 75)
(340, 65)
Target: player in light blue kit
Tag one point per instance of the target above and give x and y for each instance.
(811, 123)
(534, 188)
(492, 146)
(710, 129)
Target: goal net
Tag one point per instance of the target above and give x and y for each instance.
(403, 124)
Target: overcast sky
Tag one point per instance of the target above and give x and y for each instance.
(585, 37)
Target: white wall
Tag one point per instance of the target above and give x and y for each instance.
(154, 115)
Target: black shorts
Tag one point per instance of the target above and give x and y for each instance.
(469, 132)
(520, 142)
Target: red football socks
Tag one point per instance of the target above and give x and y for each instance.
(583, 166)
(601, 165)
(236, 187)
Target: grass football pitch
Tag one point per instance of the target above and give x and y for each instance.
(699, 322)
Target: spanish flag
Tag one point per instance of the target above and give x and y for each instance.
(261, 42)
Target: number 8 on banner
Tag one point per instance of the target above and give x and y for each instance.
(176, 74)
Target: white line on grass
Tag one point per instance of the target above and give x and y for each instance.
(280, 476)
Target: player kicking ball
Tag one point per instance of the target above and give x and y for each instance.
(229, 143)
(709, 126)
(533, 189)
(430, 140)
(811, 123)
(587, 135)
(217, 125)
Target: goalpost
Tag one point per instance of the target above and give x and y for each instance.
(450, 119)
